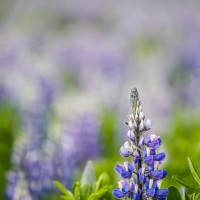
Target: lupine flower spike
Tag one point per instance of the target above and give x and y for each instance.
(141, 178)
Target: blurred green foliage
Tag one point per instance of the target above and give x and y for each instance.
(7, 117)
(88, 188)
(181, 141)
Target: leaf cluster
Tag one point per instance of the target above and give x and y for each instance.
(192, 185)
(88, 188)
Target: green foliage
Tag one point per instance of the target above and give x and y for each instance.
(7, 117)
(181, 141)
(173, 194)
(192, 185)
(88, 188)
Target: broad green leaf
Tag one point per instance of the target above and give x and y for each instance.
(194, 171)
(102, 181)
(88, 176)
(187, 183)
(63, 189)
(173, 194)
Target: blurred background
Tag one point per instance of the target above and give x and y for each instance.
(66, 69)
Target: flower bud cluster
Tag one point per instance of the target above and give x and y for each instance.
(142, 178)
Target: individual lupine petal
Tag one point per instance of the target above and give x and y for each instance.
(151, 167)
(119, 168)
(162, 193)
(128, 166)
(157, 174)
(148, 124)
(136, 196)
(154, 144)
(146, 185)
(135, 157)
(132, 186)
(150, 192)
(124, 152)
(131, 135)
(124, 186)
(141, 127)
(149, 159)
(137, 193)
(144, 153)
(159, 157)
(141, 142)
(117, 193)
(164, 173)
(142, 178)
(126, 174)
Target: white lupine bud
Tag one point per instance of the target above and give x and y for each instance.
(141, 127)
(135, 124)
(136, 116)
(131, 116)
(131, 126)
(141, 109)
(131, 135)
(126, 145)
(141, 116)
(148, 124)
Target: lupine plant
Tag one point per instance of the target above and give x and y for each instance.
(142, 177)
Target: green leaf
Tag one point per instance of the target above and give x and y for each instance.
(197, 190)
(77, 190)
(187, 197)
(66, 197)
(63, 189)
(103, 180)
(187, 183)
(88, 176)
(98, 194)
(194, 171)
(173, 194)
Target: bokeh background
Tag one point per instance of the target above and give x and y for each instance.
(66, 69)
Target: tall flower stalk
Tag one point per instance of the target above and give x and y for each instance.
(142, 178)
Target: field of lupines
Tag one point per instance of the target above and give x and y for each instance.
(66, 69)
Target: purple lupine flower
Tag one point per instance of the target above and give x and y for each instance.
(145, 171)
(125, 170)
